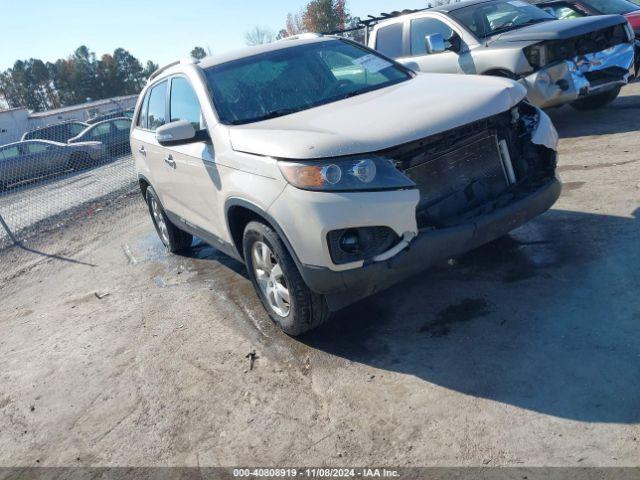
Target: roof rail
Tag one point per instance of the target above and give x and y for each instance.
(371, 20)
(169, 65)
(302, 36)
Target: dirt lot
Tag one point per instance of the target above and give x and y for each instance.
(524, 352)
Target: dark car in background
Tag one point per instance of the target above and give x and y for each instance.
(564, 9)
(31, 159)
(60, 132)
(113, 134)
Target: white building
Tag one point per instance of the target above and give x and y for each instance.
(15, 122)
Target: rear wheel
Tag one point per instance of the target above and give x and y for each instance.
(171, 236)
(285, 296)
(596, 101)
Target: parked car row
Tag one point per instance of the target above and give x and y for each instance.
(31, 159)
(58, 148)
(581, 61)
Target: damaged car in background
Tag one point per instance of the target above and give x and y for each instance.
(581, 61)
(333, 172)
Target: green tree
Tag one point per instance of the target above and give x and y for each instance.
(149, 68)
(325, 15)
(198, 52)
(39, 86)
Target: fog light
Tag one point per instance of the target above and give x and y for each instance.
(362, 243)
(350, 241)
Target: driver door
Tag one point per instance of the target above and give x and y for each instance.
(443, 62)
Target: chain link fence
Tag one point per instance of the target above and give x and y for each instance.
(59, 171)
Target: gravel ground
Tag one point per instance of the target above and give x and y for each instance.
(28, 209)
(522, 353)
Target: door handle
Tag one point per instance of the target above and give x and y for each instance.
(170, 161)
(142, 150)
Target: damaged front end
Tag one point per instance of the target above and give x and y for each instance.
(476, 183)
(590, 64)
(477, 168)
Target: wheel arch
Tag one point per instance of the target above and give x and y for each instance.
(144, 183)
(239, 212)
(500, 72)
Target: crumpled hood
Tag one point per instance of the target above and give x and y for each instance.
(559, 29)
(425, 105)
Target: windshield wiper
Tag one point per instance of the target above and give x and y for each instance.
(520, 25)
(273, 114)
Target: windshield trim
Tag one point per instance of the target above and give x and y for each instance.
(454, 15)
(410, 74)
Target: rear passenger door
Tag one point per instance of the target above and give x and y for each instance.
(44, 157)
(149, 155)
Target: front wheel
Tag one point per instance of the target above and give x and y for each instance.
(285, 296)
(596, 101)
(172, 237)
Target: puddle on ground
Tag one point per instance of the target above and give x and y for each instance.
(465, 311)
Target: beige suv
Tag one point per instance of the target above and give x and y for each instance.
(332, 171)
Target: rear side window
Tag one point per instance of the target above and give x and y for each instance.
(76, 129)
(389, 40)
(157, 105)
(142, 117)
(122, 125)
(421, 27)
(37, 147)
(184, 103)
(11, 152)
(100, 130)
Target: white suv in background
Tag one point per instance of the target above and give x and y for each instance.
(331, 171)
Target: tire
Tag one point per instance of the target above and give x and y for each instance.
(171, 236)
(596, 101)
(306, 309)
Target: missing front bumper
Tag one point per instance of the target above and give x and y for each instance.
(585, 75)
(345, 287)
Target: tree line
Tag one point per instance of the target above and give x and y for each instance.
(320, 16)
(40, 85)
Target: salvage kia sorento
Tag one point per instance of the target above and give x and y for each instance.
(332, 171)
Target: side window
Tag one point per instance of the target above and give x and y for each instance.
(37, 147)
(122, 125)
(157, 104)
(421, 27)
(142, 117)
(11, 152)
(389, 40)
(184, 103)
(75, 129)
(100, 130)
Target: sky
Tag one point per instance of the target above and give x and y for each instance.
(158, 30)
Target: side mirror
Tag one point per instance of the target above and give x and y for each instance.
(434, 43)
(180, 132)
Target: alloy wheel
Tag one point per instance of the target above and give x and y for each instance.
(270, 278)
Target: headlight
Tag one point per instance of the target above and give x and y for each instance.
(536, 55)
(356, 173)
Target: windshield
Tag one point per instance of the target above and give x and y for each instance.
(292, 79)
(611, 7)
(491, 18)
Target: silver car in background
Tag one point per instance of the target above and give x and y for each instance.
(32, 159)
(582, 61)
